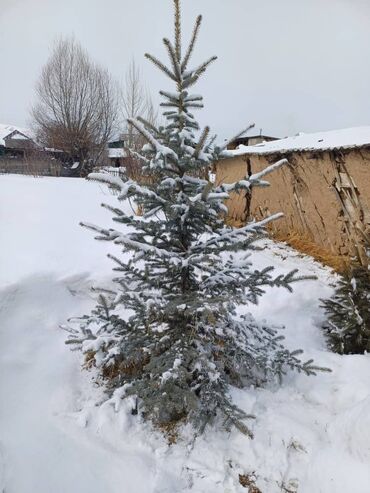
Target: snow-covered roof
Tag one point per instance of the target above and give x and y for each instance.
(346, 138)
(256, 136)
(21, 133)
(117, 152)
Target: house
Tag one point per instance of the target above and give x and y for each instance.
(21, 153)
(250, 140)
(323, 191)
(15, 141)
(117, 153)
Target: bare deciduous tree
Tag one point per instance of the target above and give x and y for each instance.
(77, 105)
(136, 102)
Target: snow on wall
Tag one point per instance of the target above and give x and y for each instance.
(346, 138)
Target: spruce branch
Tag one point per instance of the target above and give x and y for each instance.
(192, 43)
(160, 65)
(190, 99)
(256, 177)
(194, 105)
(173, 58)
(170, 105)
(237, 136)
(202, 141)
(234, 234)
(173, 97)
(106, 178)
(209, 145)
(149, 125)
(253, 180)
(157, 146)
(177, 30)
(200, 69)
(139, 156)
(190, 81)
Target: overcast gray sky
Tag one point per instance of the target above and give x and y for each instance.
(287, 65)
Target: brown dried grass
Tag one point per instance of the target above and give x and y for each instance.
(248, 481)
(171, 430)
(89, 360)
(140, 210)
(305, 245)
(235, 223)
(129, 368)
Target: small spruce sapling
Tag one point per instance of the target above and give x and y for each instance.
(348, 313)
(169, 332)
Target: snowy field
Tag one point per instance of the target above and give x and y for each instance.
(312, 434)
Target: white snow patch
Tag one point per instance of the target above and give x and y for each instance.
(312, 434)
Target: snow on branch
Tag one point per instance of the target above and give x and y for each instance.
(234, 235)
(200, 69)
(139, 156)
(191, 77)
(193, 97)
(257, 176)
(253, 180)
(157, 146)
(172, 96)
(194, 180)
(108, 179)
(136, 189)
(148, 124)
(122, 239)
(207, 196)
(125, 187)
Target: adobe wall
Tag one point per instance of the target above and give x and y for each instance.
(229, 171)
(315, 193)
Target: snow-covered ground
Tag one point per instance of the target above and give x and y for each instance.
(312, 434)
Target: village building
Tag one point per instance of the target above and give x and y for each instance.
(117, 153)
(250, 140)
(21, 153)
(15, 141)
(323, 190)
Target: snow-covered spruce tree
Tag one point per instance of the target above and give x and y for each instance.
(169, 332)
(348, 313)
